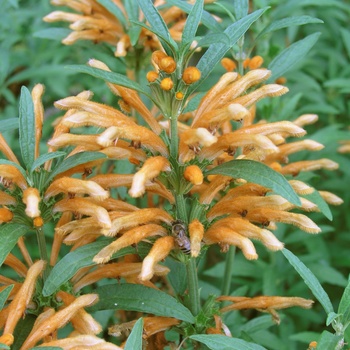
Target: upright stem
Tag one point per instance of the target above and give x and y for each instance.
(228, 271)
(174, 141)
(193, 290)
(42, 250)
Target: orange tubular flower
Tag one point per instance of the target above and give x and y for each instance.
(193, 174)
(31, 198)
(58, 320)
(76, 186)
(150, 169)
(130, 237)
(196, 232)
(85, 207)
(160, 250)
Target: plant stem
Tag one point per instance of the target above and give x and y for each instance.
(193, 290)
(42, 250)
(228, 271)
(181, 212)
(174, 141)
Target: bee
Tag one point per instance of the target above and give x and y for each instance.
(179, 232)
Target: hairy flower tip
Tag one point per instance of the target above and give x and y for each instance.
(58, 320)
(228, 64)
(309, 165)
(191, 75)
(6, 215)
(196, 233)
(130, 237)
(193, 174)
(272, 128)
(331, 198)
(31, 198)
(139, 217)
(199, 135)
(151, 168)
(23, 297)
(225, 235)
(160, 250)
(76, 186)
(7, 339)
(306, 119)
(85, 207)
(82, 342)
(264, 303)
(152, 76)
(301, 187)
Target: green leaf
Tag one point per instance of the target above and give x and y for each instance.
(52, 33)
(26, 127)
(114, 10)
(177, 275)
(9, 235)
(134, 341)
(258, 173)
(345, 34)
(156, 21)
(207, 19)
(22, 330)
(291, 55)
(213, 38)
(331, 317)
(316, 198)
(3, 346)
(4, 295)
(328, 341)
(310, 280)
(73, 261)
(288, 22)
(111, 77)
(74, 160)
(241, 8)
(9, 124)
(45, 157)
(345, 304)
(10, 162)
(221, 342)
(192, 22)
(134, 297)
(217, 51)
(257, 324)
(132, 9)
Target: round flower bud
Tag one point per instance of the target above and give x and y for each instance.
(193, 174)
(157, 56)
(152, 76)
(191, 75)
(228, 64)
(38, 221)
(6, 215)
(179, 95)
(256, 62)
(166, 84)
(167, 64)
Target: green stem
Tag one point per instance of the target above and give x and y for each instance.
(193, 290)
(42, 250)
(174, 141)
(181, 212)
(228, 271)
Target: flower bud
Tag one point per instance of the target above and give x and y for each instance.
(256, 62)
(6, 215)
(228, 64)
(157, 56)
(166, 84)
(152, 76)
(167, 64)
(191, 75)
(193, 174)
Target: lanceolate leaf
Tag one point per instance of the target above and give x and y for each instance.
(74, 160)
(316, 198)
(111, 77)
(9, 235)
(56, 34)
(345, 304)
(288, 22)
(73, 261)
(133, 11)
(9, 124)
(221, 342)
(310, 280)
(134, 297)
(217, 51)
(26, 127)
(192, 22)
(292, 55)
(4, 295)
(156, 21)
(328, 341)
(114, 10)
(134, 341)
(45, 157)
(258, 173)
(241, 8)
